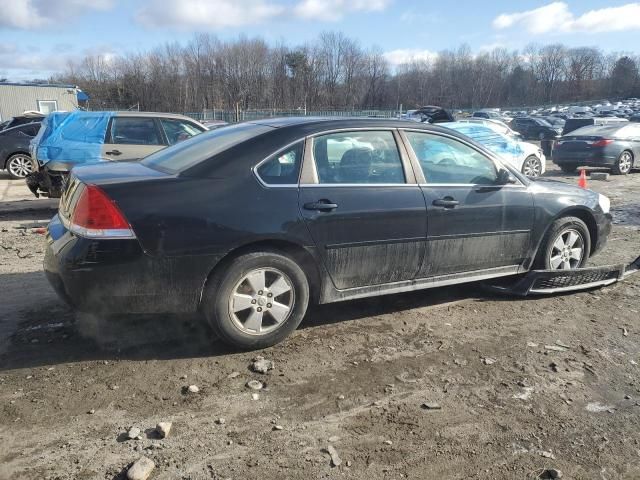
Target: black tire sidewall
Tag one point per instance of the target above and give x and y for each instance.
(544, 252)
(216, 295)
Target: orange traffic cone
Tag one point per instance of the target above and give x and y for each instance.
(582, 181)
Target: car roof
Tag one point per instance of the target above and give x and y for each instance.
(329, 123)
(129, 113)
(596, 130)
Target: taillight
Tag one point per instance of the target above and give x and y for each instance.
(96, 216)
(602, 143)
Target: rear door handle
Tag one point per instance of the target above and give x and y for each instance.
(114, 152)
(320, 205)
(446, 202)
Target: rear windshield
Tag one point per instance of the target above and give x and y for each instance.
(188, 153)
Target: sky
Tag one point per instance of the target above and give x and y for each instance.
(39, 37)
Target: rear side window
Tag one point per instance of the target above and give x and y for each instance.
(178, 130)
(134, 131)
(448, 161)
(367, 157)
(183, 155)
(283, 168)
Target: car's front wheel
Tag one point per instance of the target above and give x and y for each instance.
(566, 245)
(623, 164)
(257, 300)
(19, 165)
(532, 166)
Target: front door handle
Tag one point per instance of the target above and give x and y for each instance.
(321, 205)
(114, 152)
(446, 202)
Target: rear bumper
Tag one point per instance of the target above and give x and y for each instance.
(583, 159)
(116, 276)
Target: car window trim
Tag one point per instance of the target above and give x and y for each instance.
(255, 168)
(422, 180)
(309, 173)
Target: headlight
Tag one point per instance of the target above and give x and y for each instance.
(604, 202)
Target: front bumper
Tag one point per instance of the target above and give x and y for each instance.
(547, 282)
(117, 276)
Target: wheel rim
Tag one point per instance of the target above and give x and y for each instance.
(261, 301)
(567, 250)
(20, 166)
(532, 167)
(624, 164)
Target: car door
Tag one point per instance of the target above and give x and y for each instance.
(363, 207)
(474, 223)
(132, 138)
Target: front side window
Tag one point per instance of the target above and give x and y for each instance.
(283, 168)
(134, 131)
(178, 130)
(367, 157)
(448, 161)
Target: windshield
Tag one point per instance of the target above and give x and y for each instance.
(188, 153)
(543, 122)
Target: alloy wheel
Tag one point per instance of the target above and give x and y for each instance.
(20, 166)
(261, 301)
(624, 162)
(532, 167)
(567, 250)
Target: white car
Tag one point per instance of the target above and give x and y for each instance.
(524, 156)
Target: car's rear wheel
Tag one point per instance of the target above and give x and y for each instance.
(257, 300)
(568, 168)
(623, 163)
(566, 246)
(532, 166)
(19, 165)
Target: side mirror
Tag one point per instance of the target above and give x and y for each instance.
(504, 177)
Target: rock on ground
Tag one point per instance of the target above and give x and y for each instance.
(163, 429)
(261, 365)
(141, 469)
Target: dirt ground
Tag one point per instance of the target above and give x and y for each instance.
(515, 386)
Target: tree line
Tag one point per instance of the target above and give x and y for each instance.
(335, 71)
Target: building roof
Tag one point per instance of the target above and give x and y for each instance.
(49, 85)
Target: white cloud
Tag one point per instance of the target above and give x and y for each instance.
(32, 14)
(408, 55)
(557, 17)
(334, 10)
(193, 14)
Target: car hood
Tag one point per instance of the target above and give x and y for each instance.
(557, 187)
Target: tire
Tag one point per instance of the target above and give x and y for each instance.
(532, 166)
(568, 168)
(624, 163)
(234, 308)
(19, 165)
(551, 257)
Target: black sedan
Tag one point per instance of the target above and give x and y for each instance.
(251, 223)
(535, 128)
(14, 149)
(615, 146)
